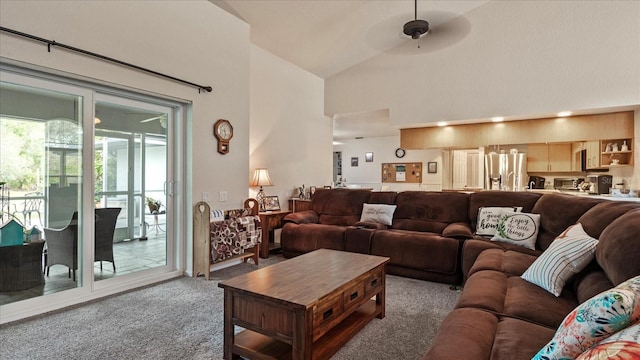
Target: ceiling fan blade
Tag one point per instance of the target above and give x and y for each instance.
(151, 119)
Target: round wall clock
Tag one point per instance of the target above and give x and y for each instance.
(400, 152)
(223, 131)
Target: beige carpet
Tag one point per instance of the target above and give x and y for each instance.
(182, 319)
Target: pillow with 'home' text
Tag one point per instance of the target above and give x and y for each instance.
(488, 218)
(518, 228)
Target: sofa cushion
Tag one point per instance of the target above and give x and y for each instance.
(508, 262)
(625, 344)
(594, 320)
(489, 217)
(619, 248)
(518, 228)
(590, 282)
(512, 296)
(468, 333)
(567, 255)
(559, 212)
(429, 251)
(340, 207)
(518, 339)
(378, 213)
(299, 239)
(382, 197)
(472, 248)
(596, 219)
(430, 211)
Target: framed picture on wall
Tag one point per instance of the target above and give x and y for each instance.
(432, 167)
(354, 161)
(368, 157)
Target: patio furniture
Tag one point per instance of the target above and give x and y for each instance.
(62, 244)
(31, 204)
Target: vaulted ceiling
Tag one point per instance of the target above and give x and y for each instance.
(329, 36)
(326, 37)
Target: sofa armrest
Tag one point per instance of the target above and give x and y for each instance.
(370, 225)
(302, 217)
(458, 230)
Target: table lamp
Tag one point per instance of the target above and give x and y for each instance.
(261, 178)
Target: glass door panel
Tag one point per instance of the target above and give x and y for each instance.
(41, 145)
(130, 167)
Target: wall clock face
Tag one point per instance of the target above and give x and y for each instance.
(223, 131)
(400, 152)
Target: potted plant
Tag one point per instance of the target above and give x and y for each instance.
(153, 205)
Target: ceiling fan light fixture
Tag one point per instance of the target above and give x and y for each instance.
(416, 28)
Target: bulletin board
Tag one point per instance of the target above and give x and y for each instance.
(407, 172)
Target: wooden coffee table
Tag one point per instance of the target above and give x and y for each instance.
(307, 307)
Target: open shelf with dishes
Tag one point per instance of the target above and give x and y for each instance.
(616, 152)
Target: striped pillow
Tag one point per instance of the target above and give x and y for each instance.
(567, 255)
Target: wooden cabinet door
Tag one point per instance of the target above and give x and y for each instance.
(593, 154)
(559, 157)
(537, 158)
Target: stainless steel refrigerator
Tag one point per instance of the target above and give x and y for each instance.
(505, 171)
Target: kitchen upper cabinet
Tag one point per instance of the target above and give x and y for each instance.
(593, 155)
(549, 158)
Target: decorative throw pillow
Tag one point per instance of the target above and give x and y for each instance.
(518, 228)
(379, 213)
(488, 218)
(624, 344)
(567, 255)
(594, 320)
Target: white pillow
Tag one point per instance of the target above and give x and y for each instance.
(488, 218)
(567, 255)
(379, 213)
(518, 228)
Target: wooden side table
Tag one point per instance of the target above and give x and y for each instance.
(270, 220)
(296, 205)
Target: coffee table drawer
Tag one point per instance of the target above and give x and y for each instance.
(329, 308)
(373, 282)
(353, 295)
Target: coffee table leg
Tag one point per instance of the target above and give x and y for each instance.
(380, 298)
(302, 348)
(228, 324)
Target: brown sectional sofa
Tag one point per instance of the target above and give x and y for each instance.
(499, 315)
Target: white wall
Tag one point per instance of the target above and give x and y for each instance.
(520, 58)
(369, 174)
(290, 135)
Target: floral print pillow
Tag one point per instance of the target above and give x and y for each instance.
(594, 320)
(622, 345)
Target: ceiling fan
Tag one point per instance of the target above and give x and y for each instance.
(415, 28)
(162, 118)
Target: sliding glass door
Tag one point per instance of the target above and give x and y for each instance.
(86, 178)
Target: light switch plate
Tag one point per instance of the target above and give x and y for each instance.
(222, 196)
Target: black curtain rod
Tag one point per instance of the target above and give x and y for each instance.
(68, 47)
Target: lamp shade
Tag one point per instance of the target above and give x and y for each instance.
(261, 178)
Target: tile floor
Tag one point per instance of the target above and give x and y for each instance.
(130, 256)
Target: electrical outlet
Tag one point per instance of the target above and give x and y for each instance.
(222, 196)
(205, 196)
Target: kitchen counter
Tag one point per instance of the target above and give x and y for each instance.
(582, 193)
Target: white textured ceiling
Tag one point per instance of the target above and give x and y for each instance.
(326, 37)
